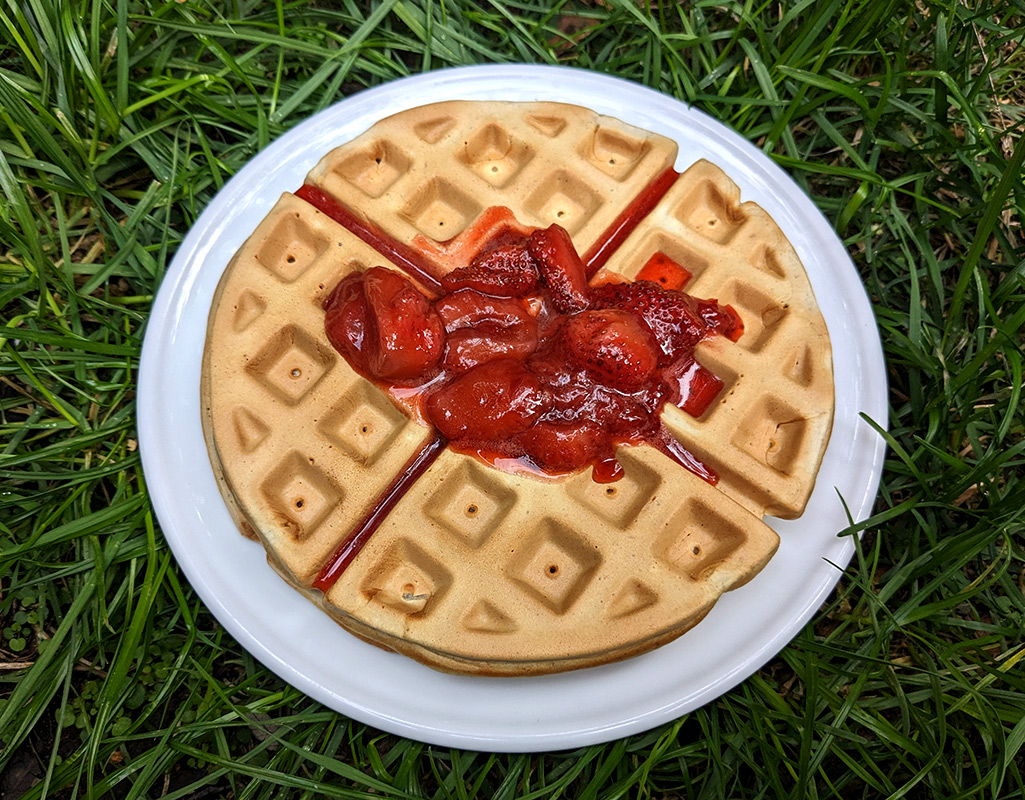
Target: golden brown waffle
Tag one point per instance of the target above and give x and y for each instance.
(476, 570)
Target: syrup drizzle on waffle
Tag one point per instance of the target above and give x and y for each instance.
(416, 264)
(400, 484)
(599, 253)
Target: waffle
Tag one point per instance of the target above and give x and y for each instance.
(476, 570)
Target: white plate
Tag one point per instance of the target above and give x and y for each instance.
(391, 692)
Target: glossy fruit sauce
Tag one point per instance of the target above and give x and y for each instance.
(523, 362)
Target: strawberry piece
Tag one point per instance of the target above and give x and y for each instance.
(722, 319)
(480, 328)
(564, 447)
(673, 317)
(614, 346)
(491, 402)
(384, 326)
(632, 417)
(346, 318)
(467, 308)
(661, 269)
(468, 347)
(561, 268)
(505, 271)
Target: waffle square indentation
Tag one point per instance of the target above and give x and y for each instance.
(440, 210)
(672, 249)
(723, 370)
(698, 539)
(773, 433)
(406, 579)
(299, 495)
(375, 169)
(762, 314)
(555, 565)
(291, 363)
(614, 153)
(362, 423)
(618, 503)
(470, 503)
(495, 155)
(566, 200)
(707, 211)
(290, 248)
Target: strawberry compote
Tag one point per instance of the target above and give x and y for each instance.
(524, 363)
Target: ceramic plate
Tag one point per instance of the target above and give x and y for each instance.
(302, 645)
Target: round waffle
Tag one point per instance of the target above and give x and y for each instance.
(475, 570)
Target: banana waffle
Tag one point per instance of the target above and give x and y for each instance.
(473, 569)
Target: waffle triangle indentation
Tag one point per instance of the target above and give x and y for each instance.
(634, 596)
(483, 617)
(249, 429)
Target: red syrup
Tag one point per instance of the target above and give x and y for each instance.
(538, 374)
(415, 263)
(599, 253)
(669, 445)
(661, 269)
(395, 491)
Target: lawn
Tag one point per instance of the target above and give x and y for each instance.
(120, 121)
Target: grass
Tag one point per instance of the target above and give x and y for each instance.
(119, 122)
